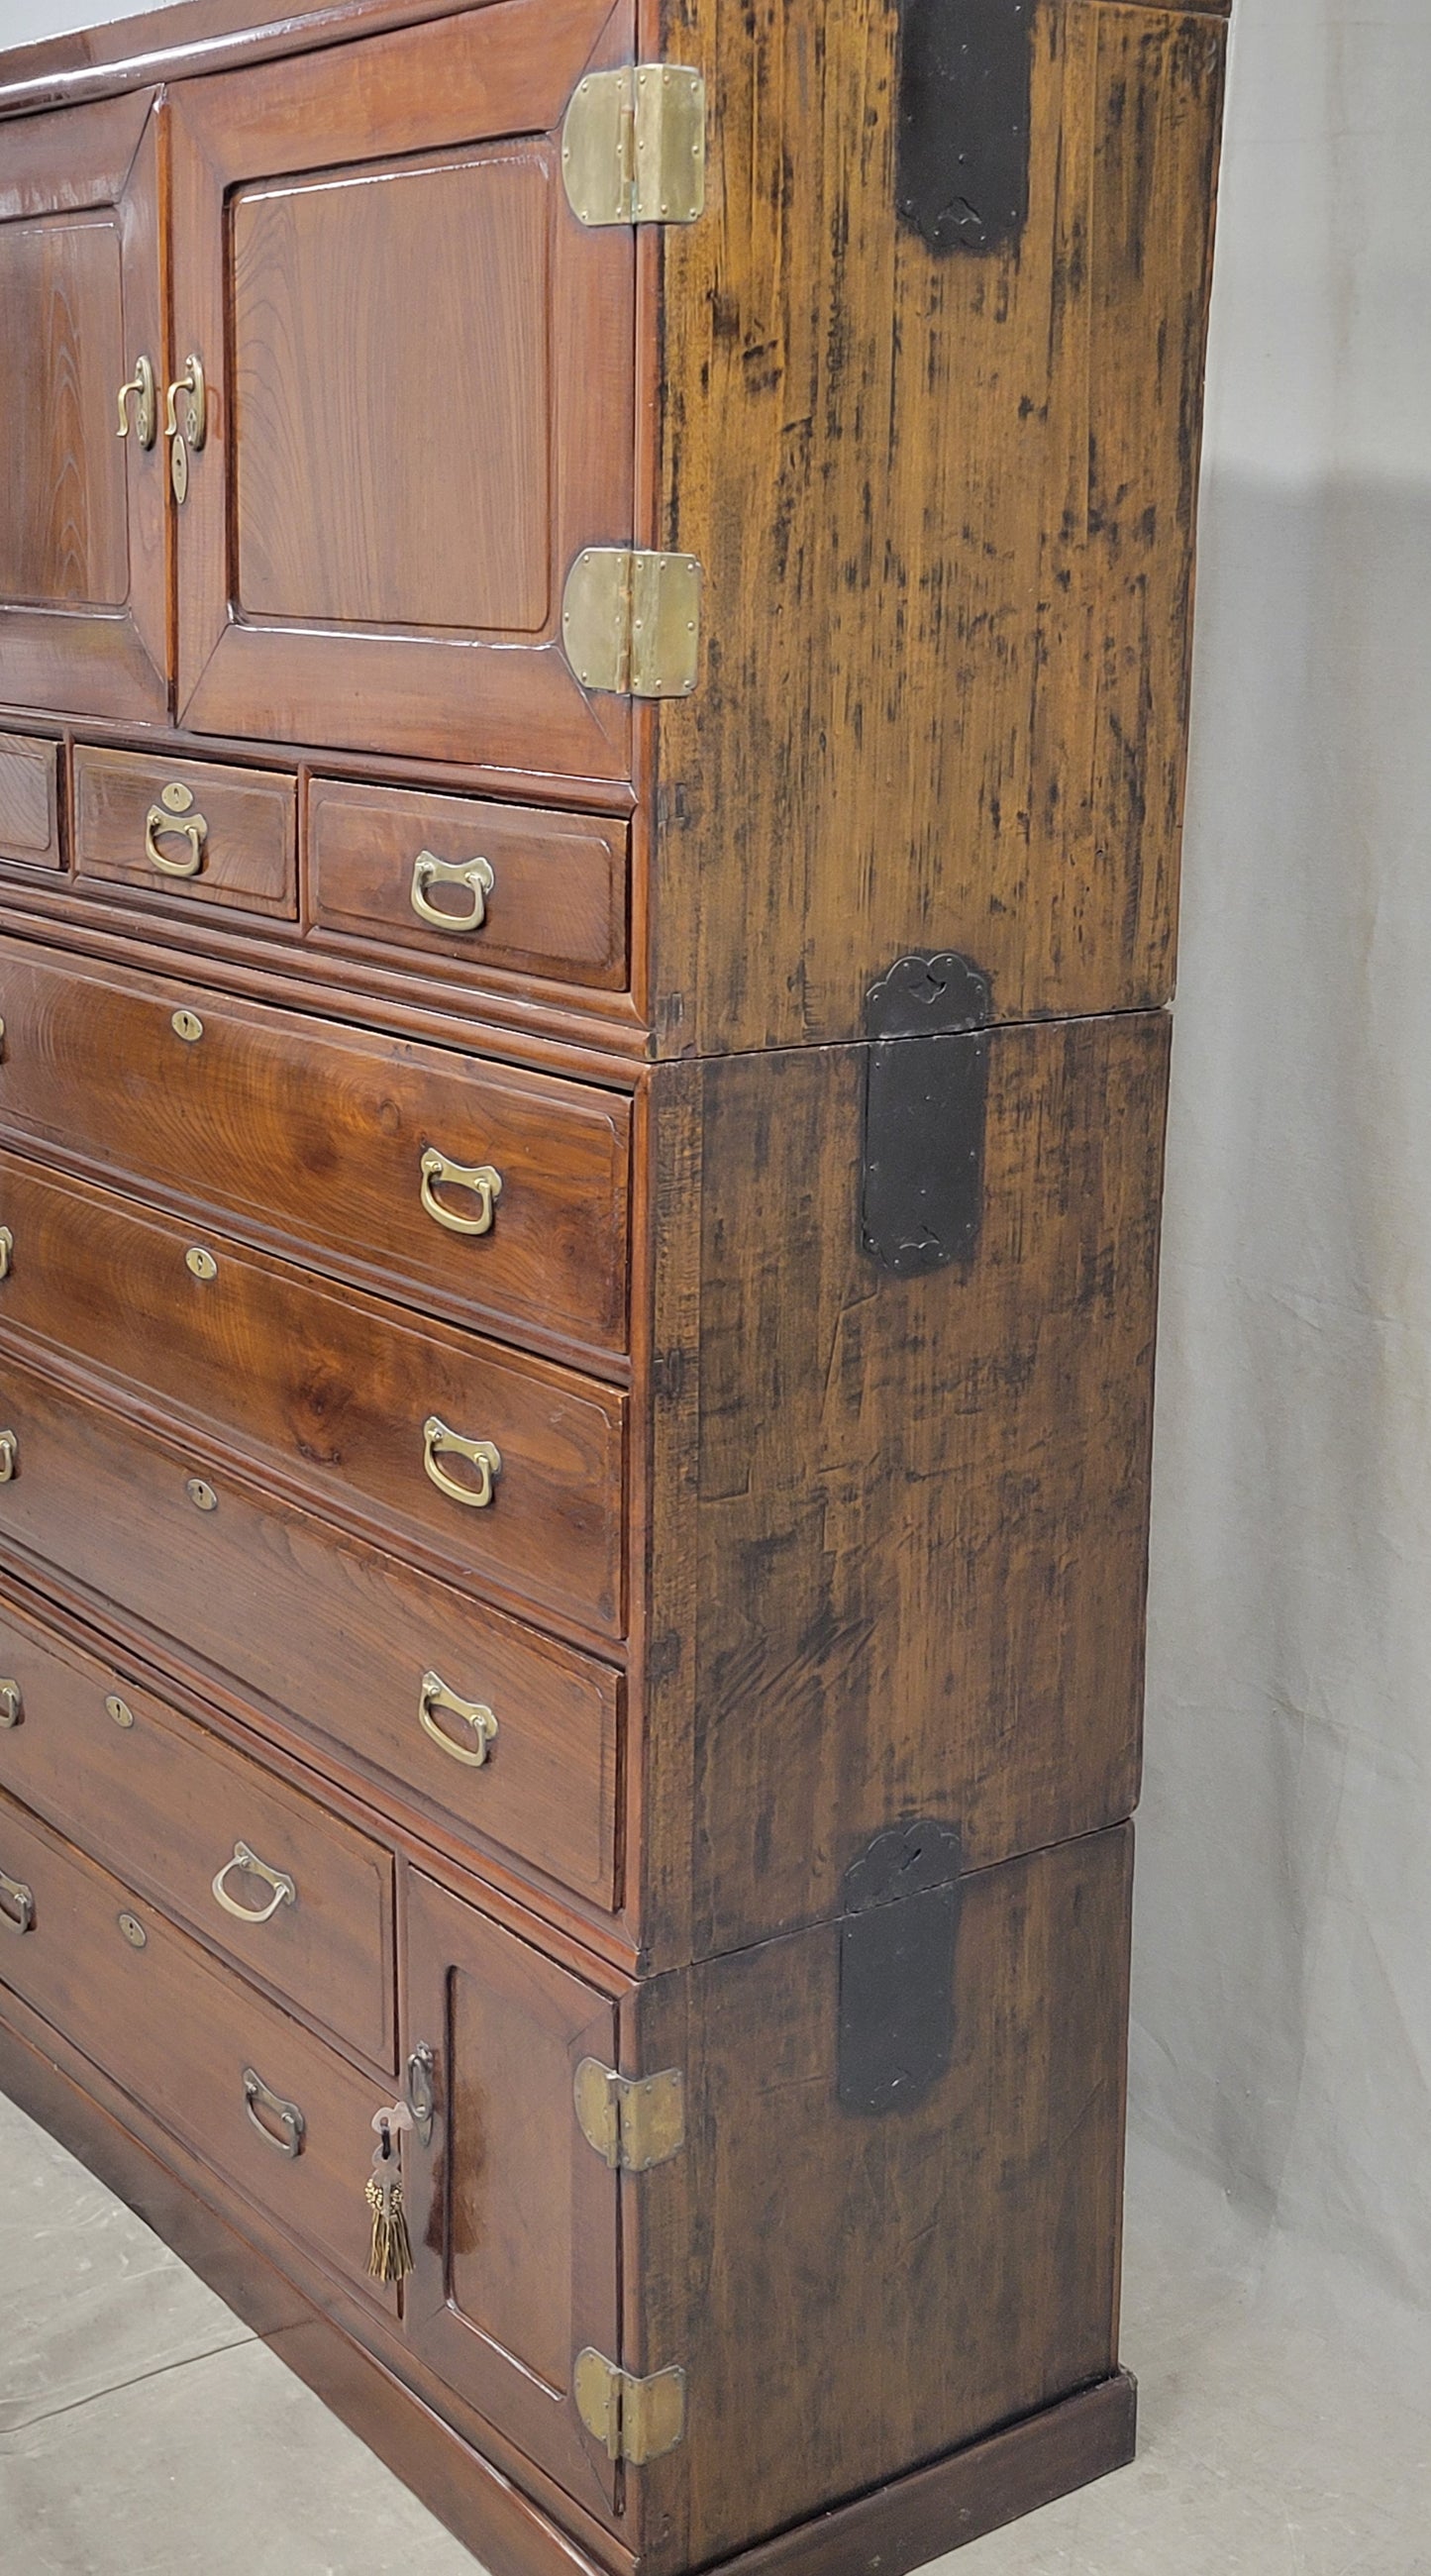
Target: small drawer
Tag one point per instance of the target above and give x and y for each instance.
(187, 828)
(495, 1468)
(172, 1809)
(481, 884)
(338, 1636)
(30, 801)
(250, 2091)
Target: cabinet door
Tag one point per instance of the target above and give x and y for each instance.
(419, 371)
(82, 512)
(514, 2215)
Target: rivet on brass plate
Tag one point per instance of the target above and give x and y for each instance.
(202, 1263)
(12, 1707)
(188, 1026)
(202, 1496)
(134, 1932)
(119, 1709)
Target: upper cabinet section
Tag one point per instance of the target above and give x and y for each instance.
(82, 508)
(418, 409)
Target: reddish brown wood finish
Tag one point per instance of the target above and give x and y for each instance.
(29, 801)
(164, 1804)
(247, 852)
(309, 1140)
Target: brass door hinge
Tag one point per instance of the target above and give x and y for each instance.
(633, 2124)
(631, 621)
(636, 2419)
(633, 146)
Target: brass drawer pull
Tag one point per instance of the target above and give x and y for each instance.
(9, 1457)
(146, 403)
(475, 874)
(284, 1891)
(438, 1442)
(422, 2092)
(480, 1178)
(14, 1893)
(172, 815)
(196, 409)
(257, 2097)
(434, 1694)
(12, 1707)
(7, 1251)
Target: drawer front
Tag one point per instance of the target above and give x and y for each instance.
(190, 2043)
(499, 1469)
(333, 1634)
(188, 829)
(30, 801)
(170, 1807)
(313, 1142)
(480, 884)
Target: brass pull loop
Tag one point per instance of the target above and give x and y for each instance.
(257, 2097)
(434, 1694)
(9, 1457)
(175, 803)
(196, 409)
(475, 874)
(422, 2093)
(17, 1904)
(146, 403)
(480, 1178)
(439, 1442)
(7, 1251)
(284, 1891)
(12, 1707)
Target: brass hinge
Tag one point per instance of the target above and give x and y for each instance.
(633, 146)
(633, 2124)
(631, 621)
(636, 2419)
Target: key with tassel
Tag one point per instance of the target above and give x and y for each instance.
(390, 2256)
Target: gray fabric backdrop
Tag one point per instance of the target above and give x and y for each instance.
(1282, 2032)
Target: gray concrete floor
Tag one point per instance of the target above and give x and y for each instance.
(143, 2431)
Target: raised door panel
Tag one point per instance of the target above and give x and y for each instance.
(420, 393)
(83, 514)
(515, 2215)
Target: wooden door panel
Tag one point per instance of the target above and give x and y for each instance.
(421, 393)
(82, 513)
(514, 2213)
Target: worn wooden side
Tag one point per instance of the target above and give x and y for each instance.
(852, 2293)
(945, 502)
(902, 1541)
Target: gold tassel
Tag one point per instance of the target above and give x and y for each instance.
(391, 2255)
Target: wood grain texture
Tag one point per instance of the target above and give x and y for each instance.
(952, 2264)
(29, 801)
(248, 857)
(945, 506)
(309, 1139)
(163, 1802)
(917, 1530)
(331, 1633)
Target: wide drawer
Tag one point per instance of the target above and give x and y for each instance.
(497, 1468)
(174, 1810)
(312, 1141)
(30, 801)
(337, 1637)
(188, 829)
(461, 878)
(282, 2118)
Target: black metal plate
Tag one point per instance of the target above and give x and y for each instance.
(964, 107)
(926, 1097)
(897, 1946)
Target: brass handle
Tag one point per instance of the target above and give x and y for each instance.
(256, 2097)
(146, 406)
(12, 1707)
(9, 1457)
(475, 874)
(196, 409)
(480, 1178)
(13, 1892)
(434, 1694)
(422, 2093)
(438, 1442)
(284, 1891)
(7, 1251)
(173, 815)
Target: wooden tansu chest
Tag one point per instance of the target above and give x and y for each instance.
(594, 640)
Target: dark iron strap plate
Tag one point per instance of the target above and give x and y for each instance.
(964, 108)
(897, 1951)
(926, 1097)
